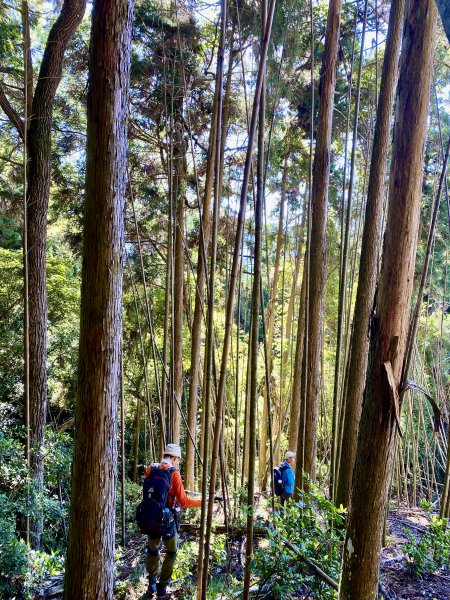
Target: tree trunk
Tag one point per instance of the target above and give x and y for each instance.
(206, 512)
(28, 96)
(253, 347)
(270, 328)
(136, 436)
(178, 268)
(90, 556)
(290, 311)
(389, 327)
(166, 384)
(39, 177)
(294, 421)
(318, 231)
(199, 300)
(357, 364)
(201, 266)
(342, 322)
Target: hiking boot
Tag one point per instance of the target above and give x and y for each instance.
(152, 586)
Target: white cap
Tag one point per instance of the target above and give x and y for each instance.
(289, 454)
(173, 450)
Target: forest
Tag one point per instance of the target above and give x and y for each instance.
(224, 239)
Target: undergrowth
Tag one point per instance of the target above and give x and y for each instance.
(431, 552)
(315, 527)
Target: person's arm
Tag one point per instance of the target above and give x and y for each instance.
(178, 491)
(290, 477)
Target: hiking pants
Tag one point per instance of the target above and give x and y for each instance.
(284, 498)
(153, 563)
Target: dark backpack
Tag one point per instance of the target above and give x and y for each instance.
(278, 479)
(153, 514)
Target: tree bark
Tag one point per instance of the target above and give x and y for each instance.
(202, 253)
(136, 440)
(318, 231)
(294, 421)
(270, 328)
(90, 556)
(254, 339)
(290, 311)
(39, 178)
(342, 322)
(166, 384)
(389, 327)
(199, 300)
(178, 268)
(357, 364)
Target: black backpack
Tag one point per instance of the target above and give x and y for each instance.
(153, 514)
(278, 479)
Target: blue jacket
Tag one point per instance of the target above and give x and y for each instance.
(288, 478)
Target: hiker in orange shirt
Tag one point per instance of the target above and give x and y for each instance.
(177, 499)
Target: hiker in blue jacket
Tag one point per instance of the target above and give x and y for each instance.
(288, 475)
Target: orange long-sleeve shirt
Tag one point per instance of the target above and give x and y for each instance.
(177, 492)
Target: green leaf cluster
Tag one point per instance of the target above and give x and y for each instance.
(315, 527)
(431, 552)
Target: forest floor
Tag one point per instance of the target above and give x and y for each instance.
(397, 581)
(397, 578)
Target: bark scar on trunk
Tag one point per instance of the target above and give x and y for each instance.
(393, 392)
(393, 349)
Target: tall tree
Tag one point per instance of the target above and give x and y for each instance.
(178, 179)
(38, 137)
(90, 557)
(270, 326)
(200, 296)
(389, 327)
(368, 267)
(308, 437)
(345, 237)
(294, 421)
(178, 190)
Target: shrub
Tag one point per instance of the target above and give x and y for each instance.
(315, 527)
(13, 552)
(430, 552)
(133, 495)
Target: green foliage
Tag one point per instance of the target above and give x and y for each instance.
(430, 552)
(10, 235)
(186, 560)
(315, 527)
(188, 554)
(56, 497)
(221, 586)
(426, 504)
(218, 550)
(22, 569)
(20, 498)
(40, 566)
(133, 495)
(13, 552)
(63, 288)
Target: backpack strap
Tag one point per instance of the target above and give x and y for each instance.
(153, 466)
(171, 470)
